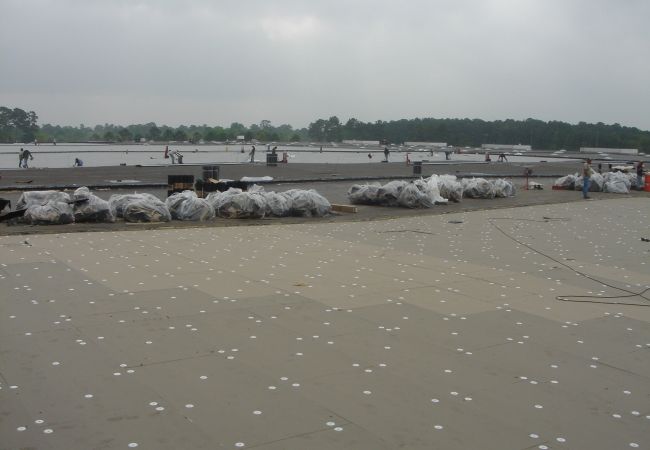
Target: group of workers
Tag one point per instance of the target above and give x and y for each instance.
(273, 151)
(24, 156)
(588, 171)
(502, 157)
(175, 155)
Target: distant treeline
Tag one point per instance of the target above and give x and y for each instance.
(552, 135)
(17, 125)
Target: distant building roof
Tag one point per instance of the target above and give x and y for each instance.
(621, 151)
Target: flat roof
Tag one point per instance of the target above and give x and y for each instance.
(419, 332)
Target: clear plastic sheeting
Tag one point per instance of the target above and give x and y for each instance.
(51, 213)
(421, 193)
(235, 204)
(566, 182)
(503, 188)
(596, 183)
(242, 206)
(412, 197)
(277, 204)
(40, 198)
(215, 198)
(308, 203)
(390, 192)
(146, 210)
(477, 188)
(449, 187)
(256, 203)
(617, 183)
(87, 207)
(364, 194)
(187, 206)
(633, 180)
(119, 202)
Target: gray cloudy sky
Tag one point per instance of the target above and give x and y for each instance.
(289, 61)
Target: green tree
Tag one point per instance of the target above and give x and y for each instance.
(180, 135)
(154, 133)
(168, 134)
(317, 130)
(124, 135)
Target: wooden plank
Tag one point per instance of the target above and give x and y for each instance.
(344, 208)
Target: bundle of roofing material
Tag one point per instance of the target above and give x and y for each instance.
(503, 188)
(54, 207)
(52, 212)
(365, 194)
(425, 193)
(187, 205)
(256, 203)
(40, 198)
(566, 182)
(416, 194)
(613, 182)
(478, 188)
(618, 182)
(450, 188)
(596, 182)
(87, 207)
(140, 208)
(236, 204)
(307, 203)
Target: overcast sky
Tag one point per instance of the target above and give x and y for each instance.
(288, 61)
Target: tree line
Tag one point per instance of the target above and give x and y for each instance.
(553, 135)
(163, 133)
(17, 125)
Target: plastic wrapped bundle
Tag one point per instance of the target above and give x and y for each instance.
(241, 205)
(87, 207)
(617, 182)
(596, 182)
(146, 210)
(429, 187)
(567, 182)
(390, 192)
(450, 188)
(422, 193)
(503, 188)
(118, 202)
(40, 198)
(364, 194)
(277, 205)
(187, 206)
(50, 213)
(477, 188)
(411, 196)
(308, 203)
(633, 179)
(217, 199)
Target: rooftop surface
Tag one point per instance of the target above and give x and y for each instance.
(417, 332)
